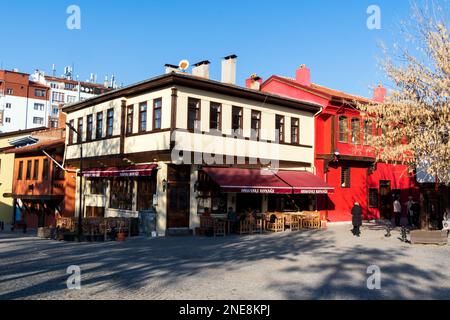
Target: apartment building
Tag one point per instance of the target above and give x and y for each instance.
(185, 145)
(24, 104)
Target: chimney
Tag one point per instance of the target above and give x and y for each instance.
(303, 76)
(379, 93)
(201, 69)
(229, 69)
(254, 82)
(171, 68)
(105, 84)
(61, 118)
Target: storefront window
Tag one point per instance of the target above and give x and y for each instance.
(98, 186)
(291, 203)
(121, 194)
(219, 203)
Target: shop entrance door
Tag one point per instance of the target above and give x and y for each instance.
(385, 199)
(178, 193)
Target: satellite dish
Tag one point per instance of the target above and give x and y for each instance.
(183, 65)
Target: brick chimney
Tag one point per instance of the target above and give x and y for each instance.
(254, 82)
(303, 76)
(379, 93)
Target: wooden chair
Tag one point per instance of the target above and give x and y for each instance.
(258, 225)
(246, 226)
(295, 223)
(276, 225)
(220, 227)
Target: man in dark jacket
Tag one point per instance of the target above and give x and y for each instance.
(356, 219)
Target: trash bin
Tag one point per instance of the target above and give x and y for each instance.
(147, 223)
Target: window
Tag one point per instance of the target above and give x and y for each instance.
(8, 106)
(193, 114)
(39, 106)
(256, 125)
(20, 171)
(236, 119)
(9, 91)
(368, 131)
(295, 130)
(157, 113)
(46, 170)
(356, 131)
(36, 170)
(38, 120)
(71, 132)
(89, 127)
(130, 119)
(121, 194)
(345, 177)
(29, 164)
(55, 111)
(58, 97)
(80, 130)
(279, 126)
(39, 92)
(71, 99)
(215, 117)
(58, 173)
(8, 120)
(99, 129)
(373, 198)
(98, 186)
(143, 117)
(109, 122)
(343, 129)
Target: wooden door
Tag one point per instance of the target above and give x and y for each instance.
(178, 206)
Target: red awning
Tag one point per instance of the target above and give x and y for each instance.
(233, 180)
(305, 182)
(131, 171)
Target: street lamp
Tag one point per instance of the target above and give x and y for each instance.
(80, 210)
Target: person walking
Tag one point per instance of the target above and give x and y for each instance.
(356, 219)
(397, 212)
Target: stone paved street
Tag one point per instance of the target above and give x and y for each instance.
(325, 264)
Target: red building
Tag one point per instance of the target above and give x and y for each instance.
(342, 156)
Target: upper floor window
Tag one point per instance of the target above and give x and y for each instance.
(89, 127)
(237, 119)
(29, 165)
(193, 113)
(46, 170)
(8, 120)
(109, 122)
(80, 130)
(20, 171)
(58, 97)
(295, 130)
(55, 111)
(71, 99)
(38, 120)
(279, 126)
(215, 112)
(157, 113)
(9, 91)
(343, 129)
(71, 132)
(143, 117)
(356, 131)
(8, 106)
(58, 173)
(368, 131)
(39, 92)
(130, 111)
(39, 106)
(36, 170)
(256, 125)
(99, 128)
(345, 177)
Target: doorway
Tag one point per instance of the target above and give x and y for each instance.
(385, 199)
(178, 194)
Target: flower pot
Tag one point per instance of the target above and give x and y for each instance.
(121, 236)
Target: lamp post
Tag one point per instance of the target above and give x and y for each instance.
(80, 209)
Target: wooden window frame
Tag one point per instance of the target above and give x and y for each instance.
(89, 127)
(36, 169)
(20, 171)
(99, 128)
(197, 109)
(143, 117)
(80, 130)
(156, 107)
(258, 122)
(72, 124)
(241, 119)
(130, 118)
(46, 169)
(340, 128)
(345, 178)
(280, 125)
(295, 128)
(29, 169)
(218, 120)
(352, 131)
(110, 126)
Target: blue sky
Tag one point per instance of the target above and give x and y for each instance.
(134, 39)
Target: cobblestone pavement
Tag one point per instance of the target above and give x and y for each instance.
(323, 264)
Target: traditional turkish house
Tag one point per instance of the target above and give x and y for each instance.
(42, 190)
(342, 155)
(183, 144)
